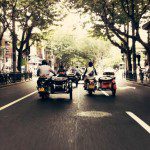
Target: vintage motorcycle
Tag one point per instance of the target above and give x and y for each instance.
(61, 85)
(74, 78)
(55, 85)
(90, 84)
(43, 88)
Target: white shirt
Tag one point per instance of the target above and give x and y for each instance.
(89, 70)
(45, 70)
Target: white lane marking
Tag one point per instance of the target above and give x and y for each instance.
(16, 101)
(105, 93)
(139, 121)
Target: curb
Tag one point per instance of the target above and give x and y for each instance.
(6, 85)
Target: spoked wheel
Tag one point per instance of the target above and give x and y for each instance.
(76, 83)
(70, 94)
(113, 92)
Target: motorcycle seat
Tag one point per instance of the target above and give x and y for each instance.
(105, 79)
(59, 78)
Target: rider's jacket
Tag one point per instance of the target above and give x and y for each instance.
(90, 71)
(44, 70)
(74, 70)
(61, 72)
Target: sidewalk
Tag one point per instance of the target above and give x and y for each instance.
(11, 84)
(145, 82)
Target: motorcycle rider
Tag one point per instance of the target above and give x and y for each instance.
(78, 73)
(44, 71)
(61, 71)
(89, 72)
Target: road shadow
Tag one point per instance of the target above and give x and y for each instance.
(54, 103)
(101, 98)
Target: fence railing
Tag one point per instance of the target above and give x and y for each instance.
(8, 78)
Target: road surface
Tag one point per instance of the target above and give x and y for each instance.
(98, 122)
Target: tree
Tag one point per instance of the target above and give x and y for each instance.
(72, 50)
(117, 13)
(25, 16)
(4, 26)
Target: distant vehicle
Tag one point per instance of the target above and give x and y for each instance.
(82, 70)
(109, 74)
(74, 77)
(122, 66)
(91, 85)
(107, 83)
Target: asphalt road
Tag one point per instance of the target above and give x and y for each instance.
(98, 122)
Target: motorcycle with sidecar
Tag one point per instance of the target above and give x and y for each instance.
(107, 83)
(90, 84)
(55, 85)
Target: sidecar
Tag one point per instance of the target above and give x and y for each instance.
(107, 83)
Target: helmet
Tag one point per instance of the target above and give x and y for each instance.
(44, 62)
(90, 64)
(61, 66)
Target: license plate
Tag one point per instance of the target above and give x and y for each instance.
(106, 85)
(41, 90)
(91, 86)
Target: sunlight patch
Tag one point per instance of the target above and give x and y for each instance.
(94, 114)
(126, 87)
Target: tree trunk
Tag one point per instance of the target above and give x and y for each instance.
(148, 58)
(14, 39)
(1, 37)
(128, 65)
(134, 59)
(129, 61)
(20, 56)
(19, 60)
(148, 49)
(128, 54)
(14, 52)
(133, 41)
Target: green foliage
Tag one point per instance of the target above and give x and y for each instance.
(23, 62)
(71, 50)
(23, 16)
(113, 17)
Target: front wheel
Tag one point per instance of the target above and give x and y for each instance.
(90, 92)
(45, 96)
(70, 94)
(76, 83)
(70, 89)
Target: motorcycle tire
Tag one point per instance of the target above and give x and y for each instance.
(76, 84)
(113, 92)
(90, 92)
(43, 97)
(70, 94)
